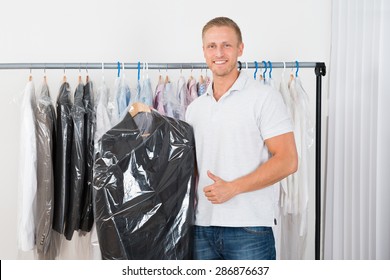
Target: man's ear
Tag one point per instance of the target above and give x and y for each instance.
(240, 49)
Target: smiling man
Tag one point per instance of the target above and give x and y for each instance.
(244, 146)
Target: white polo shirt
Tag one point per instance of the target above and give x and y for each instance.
(229, 141)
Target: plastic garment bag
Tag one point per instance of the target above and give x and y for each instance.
(146, 95)
(172, 106)
(144, 188)
(158, 102)
(63, 157)
(294, 197)
(191, 90)
(123, 95)
(86, 216)
(181, 97)
(103, 122)
(45, 140)
(28, 171)
(77, 163)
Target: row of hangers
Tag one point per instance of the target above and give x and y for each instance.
(267, 65)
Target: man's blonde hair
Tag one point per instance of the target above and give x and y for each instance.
(223, 21)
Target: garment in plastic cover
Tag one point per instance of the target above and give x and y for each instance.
(27, 181)
(86, 216)
(77, 163)
(62, 171)
(144, 188)
(45, 141)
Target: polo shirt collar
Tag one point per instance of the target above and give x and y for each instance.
(237, 86)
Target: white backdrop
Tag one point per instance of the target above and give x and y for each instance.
(131, 31)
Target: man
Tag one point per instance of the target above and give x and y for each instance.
(244, 145)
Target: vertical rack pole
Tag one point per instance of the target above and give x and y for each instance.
(320, 70)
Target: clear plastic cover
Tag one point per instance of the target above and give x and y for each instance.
(77, 164)
(144, 188)
(45, 141)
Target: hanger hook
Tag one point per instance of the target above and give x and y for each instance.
(265, 68)
(270, 69)
(297, 66)
(246, 65)
(257, 68)
(239, 65)
(119, 69)
(139, 70)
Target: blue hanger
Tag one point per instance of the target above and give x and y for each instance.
(139, 70)
(270, 69)
(297, 66)
(119, 69)
(265, 68)
(257, 67)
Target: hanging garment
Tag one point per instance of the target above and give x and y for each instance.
(181, 97)
(172, 106)
(77, 163)
(86, 217)
(203, 84)
(28, 171)
(146, 95)
(45, 141)
(62, 171)
(191, 90)
(158, 103)
(295, 192)
(144, 188)
(103, 122)
(123, 95)
(284, 201)
(112, 106)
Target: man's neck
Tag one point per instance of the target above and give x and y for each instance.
(222, 84)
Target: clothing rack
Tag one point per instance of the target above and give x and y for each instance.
(319, 70)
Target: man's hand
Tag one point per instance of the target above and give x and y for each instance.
(220, 191)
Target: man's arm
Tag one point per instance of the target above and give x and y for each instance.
(283, 162)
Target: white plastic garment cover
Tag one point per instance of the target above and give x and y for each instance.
(144, 188)
(182, 97)
(146, 95)
(295, 195)
(123, 95)
(172, 106)
(103, 122)
(191, 90)
(27, 171)
(45, 141)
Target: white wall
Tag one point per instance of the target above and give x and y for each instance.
(131, 31)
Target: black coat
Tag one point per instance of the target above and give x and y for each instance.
(62, 173)
(144, 188)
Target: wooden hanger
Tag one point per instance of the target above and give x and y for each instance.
(137, 107)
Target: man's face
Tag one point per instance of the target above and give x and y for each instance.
(221, 50)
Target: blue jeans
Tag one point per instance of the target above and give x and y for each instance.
(234, 243)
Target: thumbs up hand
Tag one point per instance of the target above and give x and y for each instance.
(220, 191)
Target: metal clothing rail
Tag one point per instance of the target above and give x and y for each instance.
(160, 66)
(319, 70)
